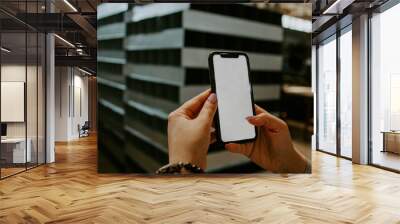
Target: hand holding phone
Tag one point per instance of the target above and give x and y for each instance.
(230, 80)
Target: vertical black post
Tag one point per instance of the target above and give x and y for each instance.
(45, 86)
(338, 73)
(0, 95)
(45, 96)
(316, 98)
(26, 86)
(73, 91)
(37, 88)
(369, 95)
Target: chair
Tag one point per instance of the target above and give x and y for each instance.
(84, 130)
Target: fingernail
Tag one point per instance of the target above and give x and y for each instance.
(250, 118)
(212, 98)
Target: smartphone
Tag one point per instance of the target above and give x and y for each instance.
(230, 81)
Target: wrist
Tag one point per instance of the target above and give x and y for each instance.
(179, 168)
(188, 155)
(184, 159)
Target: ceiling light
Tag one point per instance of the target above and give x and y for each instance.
(70, 5)
(333, 6)
(84, 71)
(5, 50)
(64, 40)
(337, 7)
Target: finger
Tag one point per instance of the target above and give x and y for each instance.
(210, 106)
(265, 119)
(193, 106)
(259, 110)
(258, 120)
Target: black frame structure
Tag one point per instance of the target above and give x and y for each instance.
(335, 36)
(39, 39)
(381, 9)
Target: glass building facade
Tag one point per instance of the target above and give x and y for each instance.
(377, 63)
(22, 63)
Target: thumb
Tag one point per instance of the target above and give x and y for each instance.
(267, 121)
(209, 108)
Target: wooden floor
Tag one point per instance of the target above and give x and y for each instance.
(387, 159)
(70, 191)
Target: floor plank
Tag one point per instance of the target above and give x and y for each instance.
(71, 191)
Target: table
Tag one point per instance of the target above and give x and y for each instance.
(391, 141)
(13, 150)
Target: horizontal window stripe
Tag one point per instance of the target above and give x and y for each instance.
(111, 60)
(179, 38)
(111, 31)
(114, 44)
(236, 43)
(112, 84)
(172, 75)
(153, 111)
(109, 68)
(212, 24)
(178, 76)
(112, 55)
(162, 104)
(159, 57)
(155, 24)
(111, 106)
(142, 12)
(241, 11)
(169, 38)
(198, 58)
(201, 76)
(150, 124)
(158, 90)
(118, 18)
(105, 11)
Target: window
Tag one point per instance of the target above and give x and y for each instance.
(22, 78)
(385, 89)
(345, 92)
(327, 96)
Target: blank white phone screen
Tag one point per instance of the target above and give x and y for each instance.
(234, 98)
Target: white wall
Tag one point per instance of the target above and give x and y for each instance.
(80, 103)
(17, 72)
(9, 73)
(62, 82)
(33, 126)
(71, 102)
